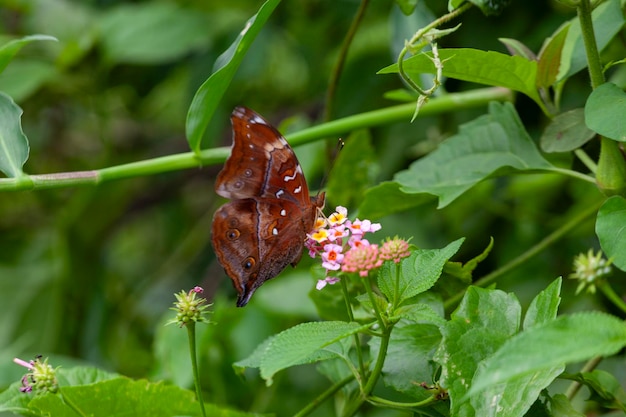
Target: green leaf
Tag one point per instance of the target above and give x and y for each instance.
(387, 198)
(420, 313)
(561, 406)
(605, 388)
(407, 6)
(566, 132)
(13, 143)
(544, 306)
(484, 320)
(515, 47)
(491, 7)
(124, 397)
(611, 230)
(490, 68)
(549, 60)
(151, 33)
(571, 339)
(299, 345)
(605, 110)
(491, 145)
(464, 271)
(211, 91)
(608, 20)
(415, 274)
(10, 49)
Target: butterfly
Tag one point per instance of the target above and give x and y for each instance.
(264, 226)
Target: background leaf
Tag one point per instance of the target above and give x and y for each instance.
(10, 49)
(211, 91)
(566, 132)
(483, 67)
(604, 111)
(13, 142)
(489, 145)
(611, 231)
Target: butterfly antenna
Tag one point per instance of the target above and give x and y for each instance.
(333, 158)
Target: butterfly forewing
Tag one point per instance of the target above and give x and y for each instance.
(261, 164)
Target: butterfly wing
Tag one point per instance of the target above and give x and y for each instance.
(261, 164)
(255, 239)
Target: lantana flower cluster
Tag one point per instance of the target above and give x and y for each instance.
(342, 246)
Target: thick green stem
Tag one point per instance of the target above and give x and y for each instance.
(357, 402)
(591, 47)
(357, 341)
(187, 160)
(191, 332)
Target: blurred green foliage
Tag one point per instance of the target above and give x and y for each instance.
(87, 274)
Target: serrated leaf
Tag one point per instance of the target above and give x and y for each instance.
(608, 20)
(611, 230)
(464, 271)
(483, 67)
(13, 143)
(298, 345)
(604, 111)
(415, 274)
(477, 328)
(495, 143)
(544, 306)
(549, 60)
(420, 313)
(151, 33)
(211, 91)
(10, 49)
(571, 338)
(566, 132)
(387, 198)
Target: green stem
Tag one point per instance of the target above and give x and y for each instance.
(354, 406)
(400, 405)
(586, 160)
(552, 238)
(341, 60)
(357, 342)
(591, 47)
(187, 160)
(312, 405)
(191, 332)
(608, 291)
(575, 386)
(370, 293)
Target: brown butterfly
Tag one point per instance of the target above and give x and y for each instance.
(263, 228)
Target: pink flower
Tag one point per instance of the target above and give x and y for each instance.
(326, 281)
(332, 257)
(362, 259)
(358, 227)
(337, 233)
(394, 250)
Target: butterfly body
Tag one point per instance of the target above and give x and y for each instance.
(263, 228)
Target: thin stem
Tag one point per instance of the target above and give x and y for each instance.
(524, 257)
(312, 405)
(400, 405)
(354, 406)
(372, 297)
(576, 385)
(608, 291)
(357, 342)
(191, 332)
(187, 160)
(586, 160)
(341, 60)
(591, 47)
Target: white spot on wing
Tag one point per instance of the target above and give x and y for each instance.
(283, 212)
(288, 178)
(256, 119)
(279, 193)
(275, 231)
(297, 190)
